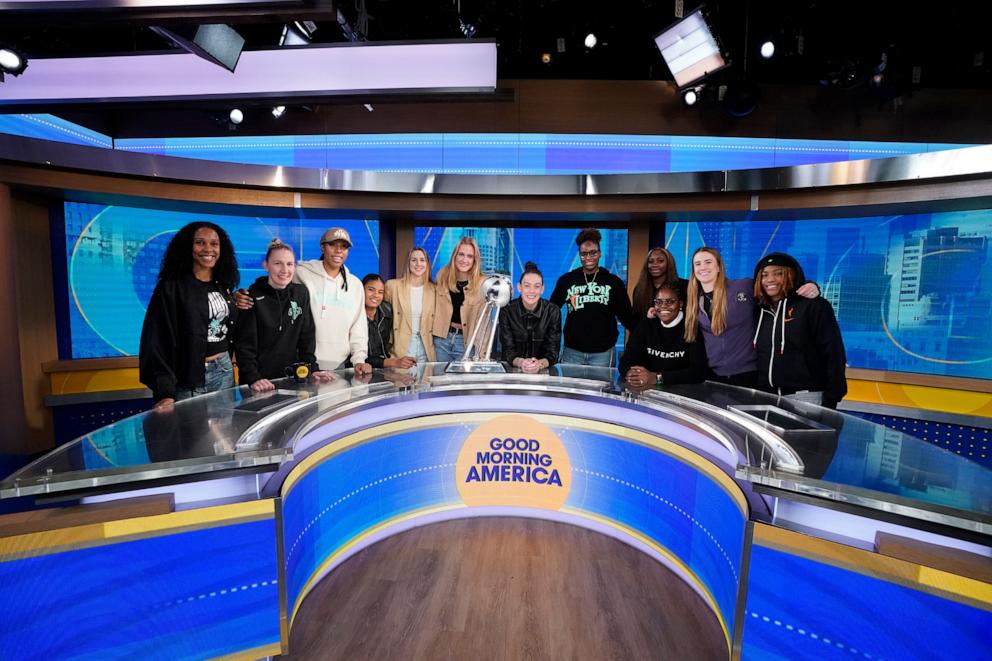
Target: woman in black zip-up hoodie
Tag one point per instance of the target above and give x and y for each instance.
(185, 339)
(278, 330)
(798, 340)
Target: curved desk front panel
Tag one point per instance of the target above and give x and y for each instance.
(642, 488)
(194, 584)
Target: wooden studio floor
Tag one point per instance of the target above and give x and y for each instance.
(503, 588)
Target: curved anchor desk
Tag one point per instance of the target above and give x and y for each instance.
(766, 507)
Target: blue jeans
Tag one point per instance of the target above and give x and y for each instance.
(601, 359)
(449, 348)
(217, 375)
(417, 349)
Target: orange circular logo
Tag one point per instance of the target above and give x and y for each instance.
(513, 460)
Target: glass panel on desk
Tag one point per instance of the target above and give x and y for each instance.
(852, 457)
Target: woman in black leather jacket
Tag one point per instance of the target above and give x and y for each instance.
(530, 326)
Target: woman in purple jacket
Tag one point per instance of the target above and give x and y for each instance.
(722, 311)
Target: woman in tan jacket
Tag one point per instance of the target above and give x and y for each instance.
(459, 300)
(413, 299)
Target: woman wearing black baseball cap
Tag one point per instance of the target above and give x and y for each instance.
(798, 341)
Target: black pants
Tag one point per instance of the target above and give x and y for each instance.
(743, 379)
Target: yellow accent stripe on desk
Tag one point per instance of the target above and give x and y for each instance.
(931, 398)
(89, 381)
(658, 443)
(946, 585)
(261, 652)
(98, 534)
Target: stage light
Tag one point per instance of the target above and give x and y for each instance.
(297, 33)
(546, 58)
(236, 116)
(591, 40)
(690, 49)
(12, 62)
(467, 29)
(690, 96)
(278, 111)
(767, 49)
(369, 107)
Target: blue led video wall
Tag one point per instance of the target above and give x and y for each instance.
(507, 249)
(50, 127)
(522, 153)
(191, 592)
(912, 293)
(799, 608)
(113, 254)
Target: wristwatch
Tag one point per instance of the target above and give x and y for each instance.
(658, 380)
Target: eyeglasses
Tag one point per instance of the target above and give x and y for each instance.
(666, 302)
(588, 253)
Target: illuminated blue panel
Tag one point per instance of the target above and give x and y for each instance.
(304, 151)
(462, 152)
(198, 594)
(114, 253)
(801, 609)
(648, 491)
(607, 154)
(523, 153)
(912, 292)
(50, 127)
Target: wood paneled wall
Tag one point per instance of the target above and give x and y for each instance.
(34, 311)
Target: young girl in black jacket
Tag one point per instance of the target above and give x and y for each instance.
(278, 330)
(185, 340)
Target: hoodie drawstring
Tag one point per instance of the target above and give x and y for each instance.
(779, 310)
(781, 351)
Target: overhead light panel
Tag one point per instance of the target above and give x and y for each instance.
(214, 42)
(690, 49)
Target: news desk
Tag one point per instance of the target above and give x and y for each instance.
(770, 509)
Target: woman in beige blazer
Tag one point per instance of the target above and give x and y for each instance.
(459, 300)
(413, 299)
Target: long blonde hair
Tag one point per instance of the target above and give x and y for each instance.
(406, 265)
(718, 309)
(447, 277)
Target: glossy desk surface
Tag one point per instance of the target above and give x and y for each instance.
(780, 443)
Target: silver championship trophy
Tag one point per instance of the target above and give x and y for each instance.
(496, 292)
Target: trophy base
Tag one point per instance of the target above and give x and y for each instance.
(475, 367)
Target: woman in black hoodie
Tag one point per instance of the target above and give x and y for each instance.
(800, 349)
(278, 330)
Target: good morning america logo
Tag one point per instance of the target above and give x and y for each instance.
(513, 460)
